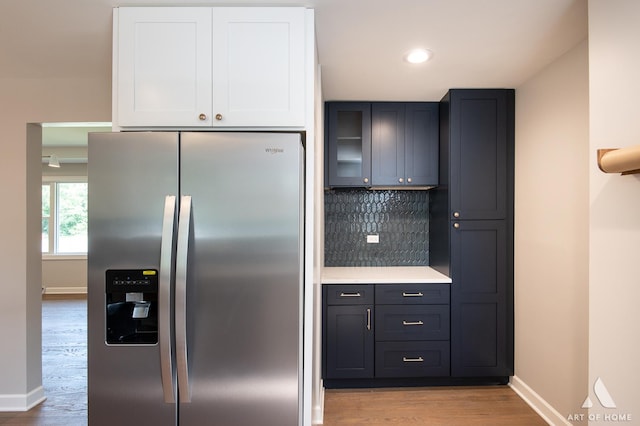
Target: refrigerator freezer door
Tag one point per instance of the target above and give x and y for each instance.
(130, 175)
(244, 278)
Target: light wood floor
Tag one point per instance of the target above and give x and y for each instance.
(450, 406)
(64, 367)
(64, 370)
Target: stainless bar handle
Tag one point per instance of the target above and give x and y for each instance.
(405, 294)
(182, 254)
(350, 294)
(164, 299)
(412, 323)
(368, 318)
(419, 359)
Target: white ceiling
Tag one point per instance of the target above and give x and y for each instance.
(476, 43)
(70, 134)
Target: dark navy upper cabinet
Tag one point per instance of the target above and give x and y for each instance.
(348, 147)
(404, 144)
(481, 132)
(471, 227)
(421, 143)
(387, 144)
(381, 144)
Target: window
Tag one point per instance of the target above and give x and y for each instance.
(64, 217)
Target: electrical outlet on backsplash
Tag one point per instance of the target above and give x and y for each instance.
(399, 219)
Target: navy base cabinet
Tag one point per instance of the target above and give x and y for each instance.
(373, 333)
(348, 331)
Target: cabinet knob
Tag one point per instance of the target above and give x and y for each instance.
(218, 117)
(456, 225)
(401, 180)
(202, 117)
(456, 214)
(366, 180)
(409, 180)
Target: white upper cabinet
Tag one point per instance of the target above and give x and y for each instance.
(258, 66)
(163, 74)
(209, 67)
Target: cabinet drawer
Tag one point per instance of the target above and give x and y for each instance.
(412, 294)
(348, 294)
(420, 322)
(412, 359)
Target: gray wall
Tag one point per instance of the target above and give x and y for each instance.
(551, 244)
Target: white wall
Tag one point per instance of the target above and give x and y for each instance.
(76, 98)
(318, 260)
(551, 236)
(614, 277)
(67, 275)
(554, 226)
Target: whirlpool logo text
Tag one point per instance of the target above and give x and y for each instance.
(274, 150)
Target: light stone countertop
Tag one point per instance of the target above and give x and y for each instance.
(382, 275)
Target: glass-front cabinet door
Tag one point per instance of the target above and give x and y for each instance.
(348, 144)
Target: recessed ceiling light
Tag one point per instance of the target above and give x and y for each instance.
(418, 56)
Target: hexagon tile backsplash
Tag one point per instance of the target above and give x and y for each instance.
(399, 219)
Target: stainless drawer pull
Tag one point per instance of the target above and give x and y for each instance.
(419, 359)
(368, 318)
(350, 294)
(405, 294)
(412, 323)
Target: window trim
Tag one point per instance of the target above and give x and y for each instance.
(53, 219)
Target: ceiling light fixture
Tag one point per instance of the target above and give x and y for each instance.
(53, 161)
(418, 56)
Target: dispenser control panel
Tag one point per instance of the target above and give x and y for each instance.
(132, 280)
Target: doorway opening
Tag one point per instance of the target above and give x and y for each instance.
(63, 170)
(64, 206)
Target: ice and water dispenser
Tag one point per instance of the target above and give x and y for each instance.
(132, 306)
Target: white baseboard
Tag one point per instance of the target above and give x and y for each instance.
(539, 405)
(24, 402)
(64, 290)
(317, 415)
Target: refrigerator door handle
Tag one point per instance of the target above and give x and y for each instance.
(184, 226)
(164, 304)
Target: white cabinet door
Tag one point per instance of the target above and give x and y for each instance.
(164, 66)
(166, 56)
(258, 66)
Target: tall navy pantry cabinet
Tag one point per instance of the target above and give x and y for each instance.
(471, 228)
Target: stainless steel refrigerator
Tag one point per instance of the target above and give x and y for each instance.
(195, 272)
